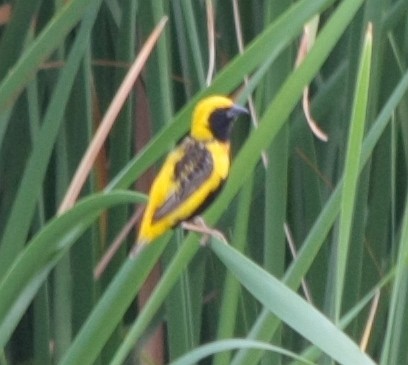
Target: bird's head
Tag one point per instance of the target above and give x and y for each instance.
(213, 117)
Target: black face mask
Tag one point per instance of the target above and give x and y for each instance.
(221, 121)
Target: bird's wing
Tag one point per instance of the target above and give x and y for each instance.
(190, 172)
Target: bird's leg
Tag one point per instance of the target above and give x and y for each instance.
(198, 225)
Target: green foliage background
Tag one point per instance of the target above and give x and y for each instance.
(343, 203)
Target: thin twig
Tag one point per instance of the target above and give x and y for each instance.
(292, 248)
(326, 180)
(113, 248)
(240, 43)
(308, 37)
(211, 40)
(370, 321)
(107, 122)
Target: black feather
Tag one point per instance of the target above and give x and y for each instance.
(190, 172)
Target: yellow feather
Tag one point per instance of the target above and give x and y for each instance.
(167, 185)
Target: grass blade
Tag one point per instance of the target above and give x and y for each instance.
(32, 267)
(291, 308)
(351, 169)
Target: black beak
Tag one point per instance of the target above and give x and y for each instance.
(236, 111)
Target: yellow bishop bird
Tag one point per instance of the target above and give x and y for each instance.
(194, 172)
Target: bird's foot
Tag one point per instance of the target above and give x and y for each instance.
(198, 225)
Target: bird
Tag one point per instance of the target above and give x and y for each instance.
(194, 172)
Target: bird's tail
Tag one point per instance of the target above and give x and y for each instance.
(137, 248)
